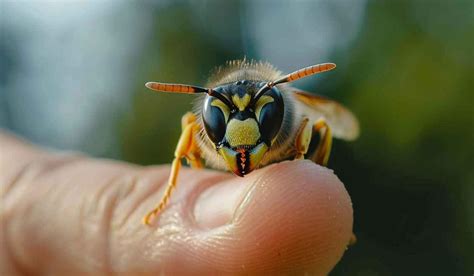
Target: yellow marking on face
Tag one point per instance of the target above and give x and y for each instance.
(229, 157)
(241, 103)
(257, 154)
(261, 103)
(222, 106)
(242, 132)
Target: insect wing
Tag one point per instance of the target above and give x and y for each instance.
(343, 123)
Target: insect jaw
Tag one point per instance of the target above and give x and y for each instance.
(242, 160)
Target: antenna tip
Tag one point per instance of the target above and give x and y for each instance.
(149, 84)
(330, 66)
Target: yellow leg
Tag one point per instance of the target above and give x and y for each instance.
(324, 147)
(186, 148)
(303, 138)
(193, 158)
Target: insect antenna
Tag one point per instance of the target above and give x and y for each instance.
(186, 89)
(296, 75)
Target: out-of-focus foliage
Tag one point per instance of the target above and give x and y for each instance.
(404, 67)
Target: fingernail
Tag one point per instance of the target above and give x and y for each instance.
(216, 205)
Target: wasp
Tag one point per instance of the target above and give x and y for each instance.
(248, 116)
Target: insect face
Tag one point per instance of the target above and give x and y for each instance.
(241, 128)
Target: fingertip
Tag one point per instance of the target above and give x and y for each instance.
(290, 217)
(295, 216)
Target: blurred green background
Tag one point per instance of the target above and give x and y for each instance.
(72, 75)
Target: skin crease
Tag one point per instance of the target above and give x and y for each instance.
(67, 213)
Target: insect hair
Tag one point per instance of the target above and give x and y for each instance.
(243, 69)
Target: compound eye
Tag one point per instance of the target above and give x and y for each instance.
(215, 115)
(269, 111)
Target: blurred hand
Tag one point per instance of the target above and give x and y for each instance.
(70, 213)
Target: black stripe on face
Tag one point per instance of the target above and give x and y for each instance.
(243, 162)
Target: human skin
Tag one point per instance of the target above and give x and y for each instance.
(69, 213)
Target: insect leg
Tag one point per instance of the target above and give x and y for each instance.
(321, 156)
(193, 158)
(303, 138)
(184, 149)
